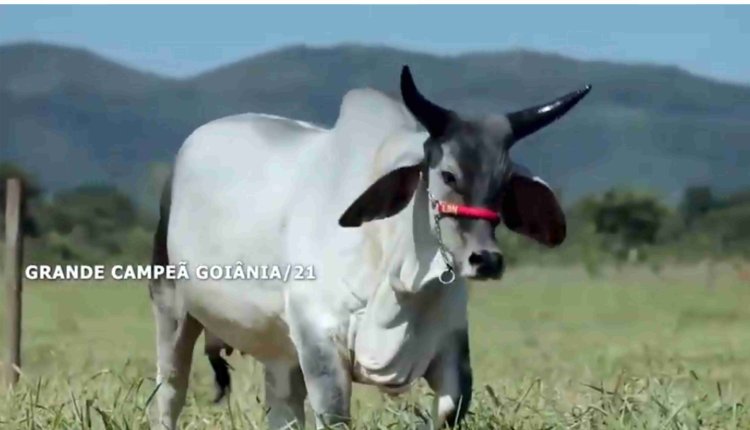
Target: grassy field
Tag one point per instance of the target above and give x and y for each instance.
(551, 348)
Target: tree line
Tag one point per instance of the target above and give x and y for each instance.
(89, 224)
(100, 224)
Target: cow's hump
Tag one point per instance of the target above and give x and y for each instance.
(372, 109)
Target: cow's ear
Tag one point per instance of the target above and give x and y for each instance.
(384, 198)
(529, 207)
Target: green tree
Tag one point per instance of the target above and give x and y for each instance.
(627, 220)
(729, 228)
(696, 202)
(714, 226)
(95, 215)
(95, 208)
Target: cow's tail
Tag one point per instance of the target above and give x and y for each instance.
(219, 364)
(160, 256)
(161, 289)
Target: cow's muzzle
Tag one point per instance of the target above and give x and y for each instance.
(487, 264)
(484, 265)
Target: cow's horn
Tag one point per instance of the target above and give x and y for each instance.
(434, 118)
(527, 121)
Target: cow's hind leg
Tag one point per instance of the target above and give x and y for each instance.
(175, 339)
(285, 396)
(220, 366)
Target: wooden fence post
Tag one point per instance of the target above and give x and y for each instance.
(13, 278)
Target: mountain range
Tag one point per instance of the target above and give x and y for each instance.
(71, 117)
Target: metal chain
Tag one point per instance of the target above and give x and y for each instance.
(449, 273)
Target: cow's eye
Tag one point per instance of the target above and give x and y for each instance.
(449, 178)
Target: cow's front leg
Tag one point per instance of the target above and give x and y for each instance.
(285, 396)
(449, 375)
(324, 367)
(329, 384)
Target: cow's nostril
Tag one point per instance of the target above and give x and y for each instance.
(498, 261)
(475, 259)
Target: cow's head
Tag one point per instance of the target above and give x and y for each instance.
(466, 161)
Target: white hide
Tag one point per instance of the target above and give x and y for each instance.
(259, 189)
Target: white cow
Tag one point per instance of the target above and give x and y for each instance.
(257, 189)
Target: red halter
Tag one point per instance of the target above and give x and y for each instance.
(461, 211)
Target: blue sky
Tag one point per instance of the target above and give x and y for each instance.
(185, 40)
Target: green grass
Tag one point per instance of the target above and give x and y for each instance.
(551, 348)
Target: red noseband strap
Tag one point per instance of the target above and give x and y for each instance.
(473, 212)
